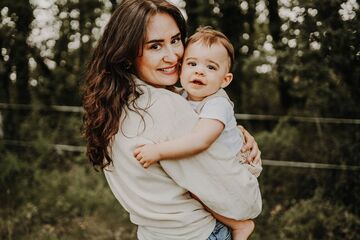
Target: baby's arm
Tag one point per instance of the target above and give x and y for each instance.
(205, 132)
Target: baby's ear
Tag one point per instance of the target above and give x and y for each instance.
(227, 80)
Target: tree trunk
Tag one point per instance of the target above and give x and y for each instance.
(274, 20)
(21, 50)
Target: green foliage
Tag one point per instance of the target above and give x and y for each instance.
(47, 193)
(318, 218)
(51, 194)
(56, 203)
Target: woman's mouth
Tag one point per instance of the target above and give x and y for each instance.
(169, 70)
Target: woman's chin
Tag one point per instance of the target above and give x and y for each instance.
(169, 80)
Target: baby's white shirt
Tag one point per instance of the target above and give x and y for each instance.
(219, 108)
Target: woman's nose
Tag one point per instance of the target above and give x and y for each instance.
(170, 55)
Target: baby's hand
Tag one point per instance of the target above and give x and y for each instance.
(147, 154)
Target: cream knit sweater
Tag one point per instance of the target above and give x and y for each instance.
(157, 198)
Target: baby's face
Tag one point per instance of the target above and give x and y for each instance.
(204, 70)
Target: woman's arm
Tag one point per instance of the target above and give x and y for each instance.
(205, 132)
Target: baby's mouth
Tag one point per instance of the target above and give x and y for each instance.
(197, 82)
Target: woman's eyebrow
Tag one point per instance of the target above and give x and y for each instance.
(154, 41)
(176, 35)
(162, 40)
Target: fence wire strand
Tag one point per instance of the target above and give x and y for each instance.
(238, 116)
(266, 162)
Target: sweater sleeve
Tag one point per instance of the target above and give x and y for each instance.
(214, 175)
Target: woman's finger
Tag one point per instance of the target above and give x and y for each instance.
(254, 152)
(257, 159)
(249, 142)
(241, 128)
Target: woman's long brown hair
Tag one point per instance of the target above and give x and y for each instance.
(109, 81)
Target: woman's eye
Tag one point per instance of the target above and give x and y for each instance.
(175, 40)
(155, 46)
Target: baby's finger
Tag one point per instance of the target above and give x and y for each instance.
(138, 149)
(136, 152)
(139, 157)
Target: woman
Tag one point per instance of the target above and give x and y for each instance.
(127, 104)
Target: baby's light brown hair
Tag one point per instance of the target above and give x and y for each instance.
(209, 36)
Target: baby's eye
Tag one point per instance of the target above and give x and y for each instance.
(211, 67)
(192, 64)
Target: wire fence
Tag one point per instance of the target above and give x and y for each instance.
(55, 108)
(297, 119)
(238, 116)
(277, 163)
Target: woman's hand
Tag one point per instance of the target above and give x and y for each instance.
(250, 145)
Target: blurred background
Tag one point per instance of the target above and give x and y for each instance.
(296, 88)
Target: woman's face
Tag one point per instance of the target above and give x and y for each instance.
(159, 60)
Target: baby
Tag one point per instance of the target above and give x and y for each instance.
(205, 72)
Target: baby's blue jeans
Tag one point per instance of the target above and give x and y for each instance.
(220, 232)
